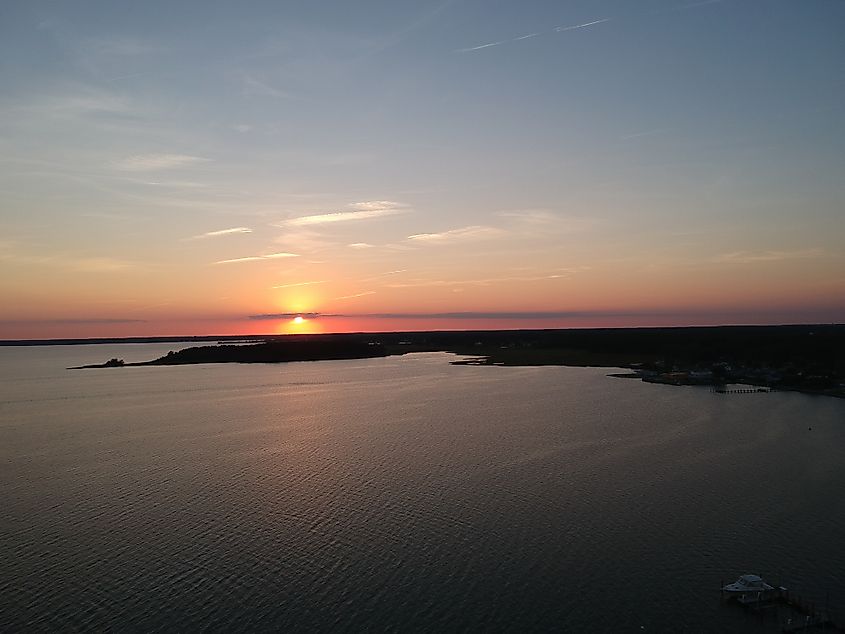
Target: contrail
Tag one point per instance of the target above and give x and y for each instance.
(580, 26)
(476, 48)
(530, 35)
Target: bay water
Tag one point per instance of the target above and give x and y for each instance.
(402, 494)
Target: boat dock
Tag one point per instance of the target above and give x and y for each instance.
(792, 612)
(721, 389)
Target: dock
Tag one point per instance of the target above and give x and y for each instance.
(719, 389)
(792, 612)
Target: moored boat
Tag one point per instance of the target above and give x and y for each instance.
(747, 585)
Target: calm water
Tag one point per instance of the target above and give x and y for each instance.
(402, 494)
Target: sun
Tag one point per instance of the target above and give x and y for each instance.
(299, 319)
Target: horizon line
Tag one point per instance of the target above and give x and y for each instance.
(247, 336)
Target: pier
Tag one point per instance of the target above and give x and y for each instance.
(721, 389)
(791, 612)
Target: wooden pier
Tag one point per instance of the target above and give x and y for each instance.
(793, 613)
(721, 389)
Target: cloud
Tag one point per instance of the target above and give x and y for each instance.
(360, 245)
(242, 127)
(299, 284)
(463, 234)
(361, 211)
(154, 162)
(752, 257)
(221, 232)
(532, 216)
(356, 295)
(372, 205)
(563, 274)
(382, 275)
(256, 258)
(283, 316)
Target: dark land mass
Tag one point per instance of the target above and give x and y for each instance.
(808, 358)
(275, 351)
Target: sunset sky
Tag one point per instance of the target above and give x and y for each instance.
(172, 168)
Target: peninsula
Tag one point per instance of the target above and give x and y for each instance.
(271, 351)
(804, 358)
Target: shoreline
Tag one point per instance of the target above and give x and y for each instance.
(661, 356)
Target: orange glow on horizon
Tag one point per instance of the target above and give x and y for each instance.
(299, 325)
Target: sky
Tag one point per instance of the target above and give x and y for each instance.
(189, 168)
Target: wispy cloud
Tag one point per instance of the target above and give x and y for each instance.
(356, 295)
(752, 257)
(264, 316)
(532, 216)
(294, 284)
(221, 232)
(257, 258)
(463, 234)
(563, 274)
(360, 211)
(374, 205)
(340, 216)
(360, 245)
(383, 275)
(155, 162)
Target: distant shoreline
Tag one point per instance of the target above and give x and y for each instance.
(87, 341)
(807, 359)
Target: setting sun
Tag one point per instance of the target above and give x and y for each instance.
(298, 319)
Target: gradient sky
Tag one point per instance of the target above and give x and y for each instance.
(217, 167)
